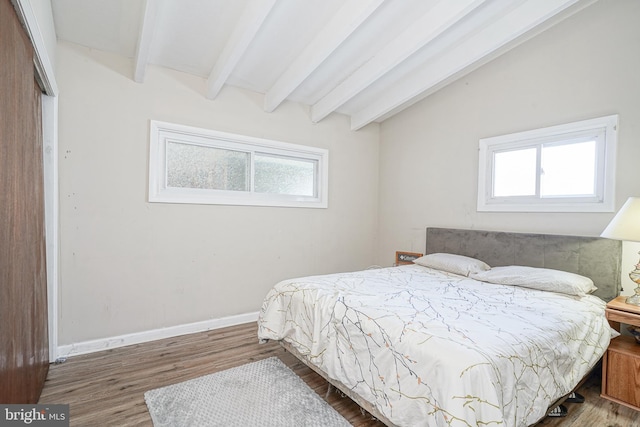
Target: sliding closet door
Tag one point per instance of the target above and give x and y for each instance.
(24, 352)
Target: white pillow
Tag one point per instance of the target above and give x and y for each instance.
(457, 264)
(544, 279)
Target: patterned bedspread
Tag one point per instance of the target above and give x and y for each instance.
(429, 348)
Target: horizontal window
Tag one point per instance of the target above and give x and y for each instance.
(565, 168)
(192, 165)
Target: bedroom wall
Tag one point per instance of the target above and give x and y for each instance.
(584, 67)
(129, 266)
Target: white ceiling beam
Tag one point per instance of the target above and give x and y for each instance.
(250, 22)
(340, 27)
(145, 37)
(478, 49)
(426, 28)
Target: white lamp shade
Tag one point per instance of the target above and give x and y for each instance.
(626, 224)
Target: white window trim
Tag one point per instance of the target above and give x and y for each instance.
(162, 132)
(606, 169)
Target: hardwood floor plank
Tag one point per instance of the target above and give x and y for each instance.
(107, 388)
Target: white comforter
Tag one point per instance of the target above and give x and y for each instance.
(429, 348)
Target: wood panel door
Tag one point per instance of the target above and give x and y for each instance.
(24, 351)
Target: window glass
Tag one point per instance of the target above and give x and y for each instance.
(568, 170)
(195, 166)
(515, 173)
(285, 175)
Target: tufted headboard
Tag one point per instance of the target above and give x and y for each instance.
(592, 257)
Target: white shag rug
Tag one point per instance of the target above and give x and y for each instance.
(261, 394)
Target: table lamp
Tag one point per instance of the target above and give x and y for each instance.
(626, 226)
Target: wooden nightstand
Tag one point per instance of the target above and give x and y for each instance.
(621, 362)
(404, 258)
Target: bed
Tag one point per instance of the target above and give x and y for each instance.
(446, 343)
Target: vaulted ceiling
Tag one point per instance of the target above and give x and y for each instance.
(368, 59)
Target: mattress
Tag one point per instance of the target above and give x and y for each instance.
(430, 348)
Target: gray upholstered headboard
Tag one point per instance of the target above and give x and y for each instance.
(592, 257)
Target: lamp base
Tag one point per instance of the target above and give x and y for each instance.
(634, 299)
(635, 277)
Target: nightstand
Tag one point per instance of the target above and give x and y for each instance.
(621, 362)
(404, 258)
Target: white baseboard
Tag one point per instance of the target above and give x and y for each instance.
(85, 347)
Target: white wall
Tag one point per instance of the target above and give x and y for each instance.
(128, 265)
(586, 66)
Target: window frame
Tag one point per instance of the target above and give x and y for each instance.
(163, 132)
(603, 201)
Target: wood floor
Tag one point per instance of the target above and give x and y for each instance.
(107, 388)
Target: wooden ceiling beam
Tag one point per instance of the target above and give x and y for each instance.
(145, 38)
(339, 28)
(250, 22)
(424, 30)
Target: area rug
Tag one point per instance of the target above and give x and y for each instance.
(261, 394)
